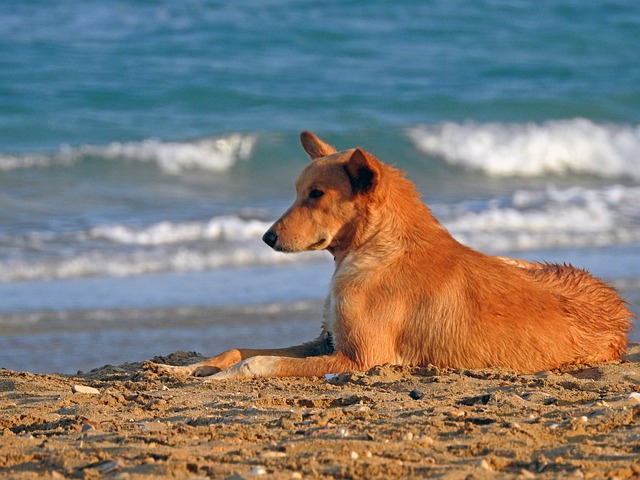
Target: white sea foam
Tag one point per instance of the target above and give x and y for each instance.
(214, 154)
(142, 262)
(14, 162)
(123, 250)
(526, 220)
(174, 157)
(530, 220)
(219, 228)
(529, 149)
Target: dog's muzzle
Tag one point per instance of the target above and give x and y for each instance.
(270, 238)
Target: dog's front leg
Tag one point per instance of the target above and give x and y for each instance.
(320, 346)
(265, 366)
(199, 369)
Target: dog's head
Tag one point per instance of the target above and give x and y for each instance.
(332, 194)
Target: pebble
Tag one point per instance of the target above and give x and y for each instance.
(407, 437)
(87, 427)
(635, 396)
(343, 433)
(158, 403)
(259, 470)
(427, 441)
(483, 464)
(356, 408)
(296, 476)
(273, 454)
(85, 389)
(111, 466)
(354, 455)
(454, 413)
(416, 394)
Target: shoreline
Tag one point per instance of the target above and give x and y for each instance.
(389, 422)
(84, 339)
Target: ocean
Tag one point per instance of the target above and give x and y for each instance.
(145, 147)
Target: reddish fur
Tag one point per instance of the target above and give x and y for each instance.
(406, 292)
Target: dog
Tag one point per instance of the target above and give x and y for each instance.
(406, 292)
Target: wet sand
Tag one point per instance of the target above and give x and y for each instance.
(390, 422)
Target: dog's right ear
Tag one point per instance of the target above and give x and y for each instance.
(363, 170)
(315, 147)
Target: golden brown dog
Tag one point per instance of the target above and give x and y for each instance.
(406, 292)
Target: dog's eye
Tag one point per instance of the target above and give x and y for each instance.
(315, 193)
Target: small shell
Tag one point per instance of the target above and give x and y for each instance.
(258, 470)
(85, 389)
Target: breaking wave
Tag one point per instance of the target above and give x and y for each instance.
(530, 149)
(212, 153)
(229, 228)
(123, 250)
(525, 220)
(548, 219)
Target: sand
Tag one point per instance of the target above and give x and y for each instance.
(390, 422)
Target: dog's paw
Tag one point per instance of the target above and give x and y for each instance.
(252, 367)
(195, 370)
(175, 370)
(234, 372)
(204, 370)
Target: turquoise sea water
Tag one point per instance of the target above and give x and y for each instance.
(146, 146)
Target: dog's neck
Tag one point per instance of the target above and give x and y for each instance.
(393, 221)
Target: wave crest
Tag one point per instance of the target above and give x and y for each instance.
(162, 233)
(212, 153)
(551, 218)
(527, 220)
(529, 149)
(124, 250)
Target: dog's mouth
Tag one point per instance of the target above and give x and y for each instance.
(318, 245)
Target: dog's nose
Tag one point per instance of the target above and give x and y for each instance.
(270, 238)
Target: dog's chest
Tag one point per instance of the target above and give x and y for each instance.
(336, 301)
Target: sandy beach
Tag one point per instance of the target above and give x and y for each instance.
(147, 146)
(390, 422)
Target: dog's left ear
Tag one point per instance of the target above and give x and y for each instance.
(315, 147)
(363, 170)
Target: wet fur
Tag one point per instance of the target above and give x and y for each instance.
(405, 291)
